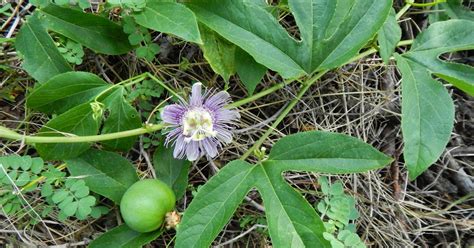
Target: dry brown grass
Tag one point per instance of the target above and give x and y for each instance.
(361, 99)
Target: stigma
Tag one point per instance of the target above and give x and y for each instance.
(198, 125)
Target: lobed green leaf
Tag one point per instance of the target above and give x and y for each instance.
(331, 31)
(444, 37)
(454, 9)
(273, 49)
(292, 221)
(426, 124)
(214, 205)
(427, 108)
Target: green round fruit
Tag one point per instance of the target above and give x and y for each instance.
(145, 204)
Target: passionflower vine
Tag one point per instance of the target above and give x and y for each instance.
(200, 127)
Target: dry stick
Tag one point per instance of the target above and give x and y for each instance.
(241, 235)
(262, 123)
(17, 190)
(147, 158)
(17, 8)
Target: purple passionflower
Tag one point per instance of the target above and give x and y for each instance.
(201, 126)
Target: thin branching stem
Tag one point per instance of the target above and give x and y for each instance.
(404, 9)
(300, 94)
(409, 3)
(259, 94)
(304, 87)
(412, 3)
(283, 84)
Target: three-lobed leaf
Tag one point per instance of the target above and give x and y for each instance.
(97, 33)
(426, 124)
(453, 9)
(331, 31)
(334, 31)
(427, 108)
(105, 173)
(444, 37)
(456, 10)
(214, 205)
(292, 221)
(273, 49)
(42, 59)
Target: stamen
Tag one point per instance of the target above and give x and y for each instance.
(198, 125)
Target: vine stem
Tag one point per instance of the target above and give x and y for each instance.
(412, 3)
(404, 9)
(127, 82)
(374, 50)
(283, 84)
(304, 87)
(300, 94)
(259, 94)
(409, 3)
(136, 79)
(9, 134)
(149, 128)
